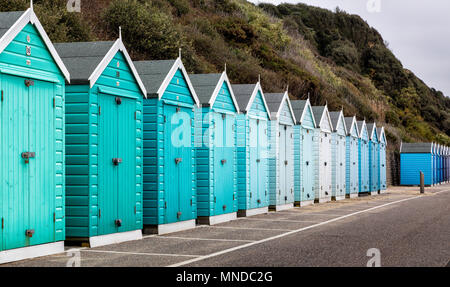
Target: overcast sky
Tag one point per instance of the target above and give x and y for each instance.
(418, 32)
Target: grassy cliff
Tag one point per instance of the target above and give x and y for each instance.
(332, 56)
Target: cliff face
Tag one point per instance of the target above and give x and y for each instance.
(332, 56)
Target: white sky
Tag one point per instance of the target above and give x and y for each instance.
(418, 32)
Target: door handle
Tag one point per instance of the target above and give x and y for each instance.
(118, 222)
(27, 155)
(29, 233)
(307, 163)
(223, 161)
(178, 160)
(116, 160)
(258, 160)
(285, 162)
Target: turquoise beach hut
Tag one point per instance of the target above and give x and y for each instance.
(338, 155)
(281, 151)
(352, 161)
(252, 143)
(103, 143)
(304, 164)
(170, 197)
(215, 142)
(363, 157)
(382, 159)
(32, 81)
(416, 158)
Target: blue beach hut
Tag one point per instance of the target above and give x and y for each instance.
(338, 155)
(304, 167)
(215, 142)
(252, 143)
(363, 157)
(416, 158)
(382, 159)
(281, 151)
(322, 153)
(170, 197)
(352, 162)
(103, 143)
(373, 158)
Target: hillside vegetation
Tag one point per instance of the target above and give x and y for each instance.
(333, 57)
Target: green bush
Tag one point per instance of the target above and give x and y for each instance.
(145, 28)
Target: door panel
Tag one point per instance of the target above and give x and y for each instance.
(107, 172)
(41, 169)
(263, 163)
(281, 163)
(15, 186)
(171, 152)
(290, 164)
(253, 163)
(126, 171)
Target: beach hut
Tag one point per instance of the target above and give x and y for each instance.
(441, 163)
(374, 154)
(363, 157)
(170, 197)
(434, 159)
(32, 80)
(352, 162)
(303, 153)
(382, 143)
(281, 151)
(416, 158)
(252, 144)
(103, 143)
(338, 154)
(447, 164)
(322, 153)
(216, 153)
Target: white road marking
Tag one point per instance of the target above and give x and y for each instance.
(286, 234)
(138, 253)
(281, 220)
(249, 228)
(207, 239)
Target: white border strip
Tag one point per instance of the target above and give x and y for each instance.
(285, 234)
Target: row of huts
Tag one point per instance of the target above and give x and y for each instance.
(432, 159)
(96, 147)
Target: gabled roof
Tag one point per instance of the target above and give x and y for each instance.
(299, 107)
(319, 112)
(335, 117)
(371, 129)
(361, 126)
(12, 23)
(207, 87)
(349, 123)
(156, 76)
(416, 147)
(86, 61)
(381, 134)
(275, 101)
(245, 95)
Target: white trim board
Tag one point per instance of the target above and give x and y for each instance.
(115, 238)
(253, 96)
(29, 252)
(30, 17)
(223, 78)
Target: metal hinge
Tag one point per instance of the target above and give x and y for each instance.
(191, 201)
(3, 223)
(54, 217)
(135, 115)
(54, 103)
(99, 110)
(135, 209)
(164, 118)
(2, 95)
(165, 204)
(99, 213)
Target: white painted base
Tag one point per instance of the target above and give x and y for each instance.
(114, 238)
(282, 207)
(324, 199)
(212, 220)
(252, 212)
(340, 197)
(373, 193)
(31, 252)
(383, 191)
(306, 203)
(170, 227)
(353, 195)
